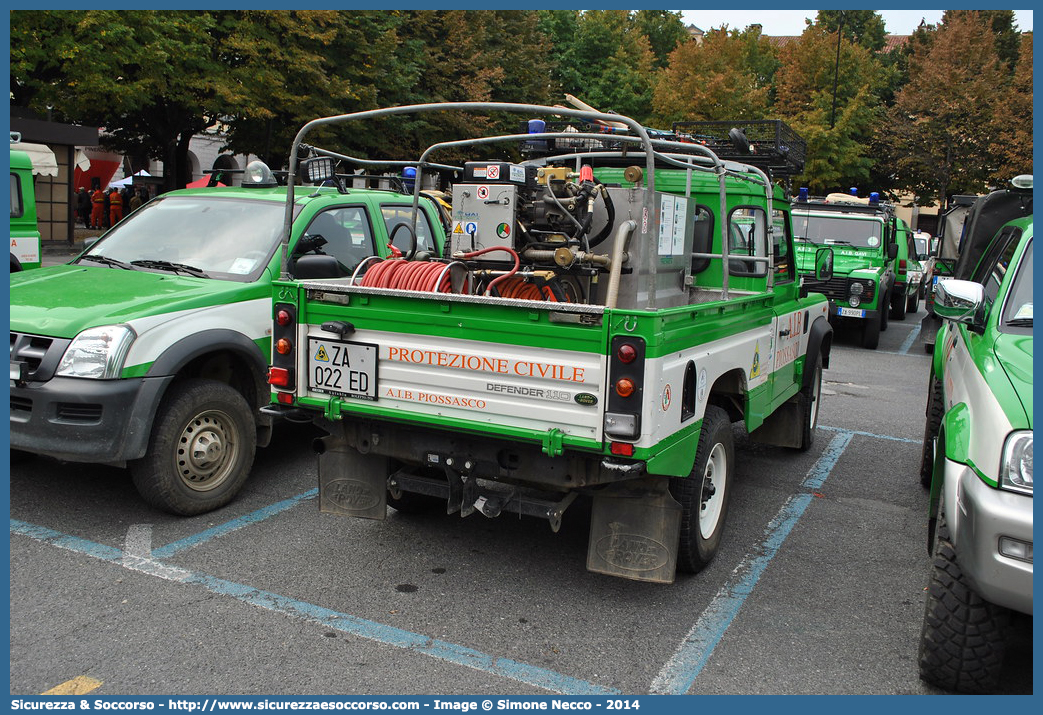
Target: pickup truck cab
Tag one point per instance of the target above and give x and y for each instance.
(25, 233)
(863, 233)
(597, 323)
(978, 464)
(149, 350)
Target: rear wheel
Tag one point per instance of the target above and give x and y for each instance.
(964, 637)
(913, 302)
(704, 494)
(201, 449)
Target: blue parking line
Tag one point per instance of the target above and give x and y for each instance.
(343, 622)
(872, 434)
(233, 525)
(677, 676)
(908, 343)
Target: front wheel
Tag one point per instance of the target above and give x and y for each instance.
(201, 449)
(704, 493)
(871, 332)
(935, 406)
(964, 637)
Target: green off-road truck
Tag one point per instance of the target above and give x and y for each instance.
(864, 234)
(25, 234)
(977, 460)
(150, 349)
(604, 311)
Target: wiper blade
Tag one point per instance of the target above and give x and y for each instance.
(1020, 322)
(105, 260)
(170, 266)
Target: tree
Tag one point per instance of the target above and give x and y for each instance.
(711, 81)
(936, 135)
(837, 141)
(1011, 130)
(664, 29)
(863, 27)
(1004, 31)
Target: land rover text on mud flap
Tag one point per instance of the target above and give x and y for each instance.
(150, 349)
(977, 460)
(863, 233)
(599, 320)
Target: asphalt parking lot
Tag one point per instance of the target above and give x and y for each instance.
(818, 587)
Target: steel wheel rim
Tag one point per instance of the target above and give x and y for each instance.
(712, 497)
(207, 451)
(816, 393)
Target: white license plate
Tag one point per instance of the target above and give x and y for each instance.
(851, 312)
(342, 368)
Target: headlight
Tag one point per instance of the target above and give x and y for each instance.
(854, 301)
(97, 353)
(1016, 468)
(857, 289)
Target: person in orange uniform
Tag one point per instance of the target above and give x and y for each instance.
(115, 207)
(97, 208)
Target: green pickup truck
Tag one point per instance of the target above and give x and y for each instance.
(25, 234)
(150, 349)
(863, 233)
(605, 310)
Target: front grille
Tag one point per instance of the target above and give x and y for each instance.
(39, 352)
(838, 288)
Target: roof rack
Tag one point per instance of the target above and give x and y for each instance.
(768, 144)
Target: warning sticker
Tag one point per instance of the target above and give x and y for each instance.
(483, 192)
(458, 227)
(492, 172)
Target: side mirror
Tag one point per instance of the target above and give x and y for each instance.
(823, 264)
(88, 242)
(892, 251)
(961, 302)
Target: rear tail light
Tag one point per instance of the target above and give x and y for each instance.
(902, 264)
(283, 371)
(625, 398)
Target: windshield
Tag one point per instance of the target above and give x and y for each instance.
(1018, 311)
(205, 236)
(922, 249)
(835, 230)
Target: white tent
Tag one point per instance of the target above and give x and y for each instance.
(128, 180)
(44, 163)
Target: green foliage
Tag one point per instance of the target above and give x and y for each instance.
(863, 27)
(949, 112)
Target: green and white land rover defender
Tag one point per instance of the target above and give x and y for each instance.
(25, 233)
(150, 349)
(864, 235)
(596, 325)
(977, 460)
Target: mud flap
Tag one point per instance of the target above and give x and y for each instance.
(785, 426)
(634, 531)
(352, 483)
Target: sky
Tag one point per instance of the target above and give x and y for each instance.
(791, 22)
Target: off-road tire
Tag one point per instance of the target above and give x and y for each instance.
(964, 637)
(871, 333)
(898, 307)
(713, 470)
(885, 309)
(912, 303)
(200, 451)
(811, 397)
(935, 408)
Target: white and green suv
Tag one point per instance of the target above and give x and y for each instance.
(978, 462)
(150, 350)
